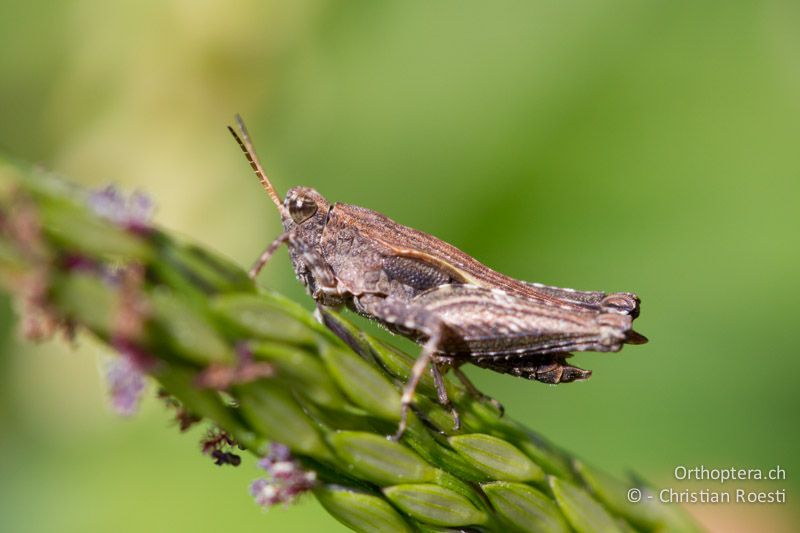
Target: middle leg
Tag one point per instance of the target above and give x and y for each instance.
(475, 392)
(438, 368)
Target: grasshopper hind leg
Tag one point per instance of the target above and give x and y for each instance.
(440, 365)
(399, 314)
(423, 361)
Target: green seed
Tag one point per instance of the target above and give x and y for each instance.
(274, 413)
(435, 505)
(647, 514)
(188, 331)
(366, 386)
(205, 270)
(380, 460)
(360, 511)
(435, 450)
(399, 364)
(542, 455)
(582, 511)
(87, 300)
(181, 383)
(496, 457)
(294, 366)
(524, 508)
(70, 224)
(257, 316)
(611, 492)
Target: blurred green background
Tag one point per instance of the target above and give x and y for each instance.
(625, 145)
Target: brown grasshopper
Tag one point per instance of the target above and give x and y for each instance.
(418, 286)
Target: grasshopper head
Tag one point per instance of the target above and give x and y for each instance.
(304, 213)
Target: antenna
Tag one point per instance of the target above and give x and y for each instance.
(250, 153)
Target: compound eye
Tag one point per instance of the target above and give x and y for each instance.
(301, 209)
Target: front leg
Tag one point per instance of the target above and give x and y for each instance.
(317, 276)
(392, 311)
(438, 379)
(267, 254)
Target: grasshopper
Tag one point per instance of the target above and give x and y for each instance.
(423, 288)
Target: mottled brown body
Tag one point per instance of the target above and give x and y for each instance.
(428, 290)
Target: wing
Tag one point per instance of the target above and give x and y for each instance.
(414, 244)
(485, 324)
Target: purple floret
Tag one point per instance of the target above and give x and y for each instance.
(126, 384)
(286, 478)
(134, 212)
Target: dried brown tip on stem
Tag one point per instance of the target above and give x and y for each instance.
(250, 153)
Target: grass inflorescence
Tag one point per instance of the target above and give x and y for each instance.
(279, 384)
